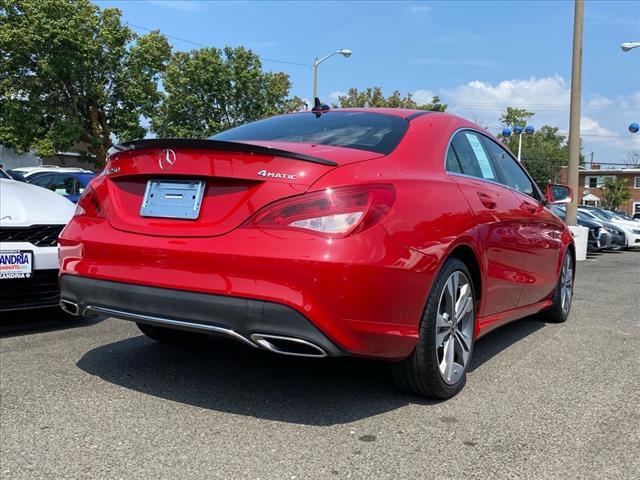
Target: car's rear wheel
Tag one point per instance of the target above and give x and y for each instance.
(438, 366)
(168, 335)
(563, 294)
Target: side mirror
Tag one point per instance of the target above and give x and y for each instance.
(559, 194)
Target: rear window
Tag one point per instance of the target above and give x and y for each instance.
(373, 132)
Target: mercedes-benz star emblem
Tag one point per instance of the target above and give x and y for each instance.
(167, 159)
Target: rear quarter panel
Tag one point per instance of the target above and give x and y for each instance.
(430, 215)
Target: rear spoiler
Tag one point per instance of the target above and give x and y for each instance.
(214, 145)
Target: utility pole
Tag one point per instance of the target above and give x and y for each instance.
(574, 112)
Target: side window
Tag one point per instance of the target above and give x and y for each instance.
(453, 165)
(64, 184)
(42, 181)
(472, 156)
(512, 173)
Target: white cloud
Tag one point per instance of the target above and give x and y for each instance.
(604, 123)
(537, 94)
(591, 127)
(598, 101)
(190, 6)
(422, 97)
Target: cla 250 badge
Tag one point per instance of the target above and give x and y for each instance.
(284, 176)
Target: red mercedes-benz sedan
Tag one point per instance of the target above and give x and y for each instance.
(382, 233)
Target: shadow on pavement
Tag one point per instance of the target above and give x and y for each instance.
(225, 376)
(498, 340)
(25, 322)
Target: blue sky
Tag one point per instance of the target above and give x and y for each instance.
(478, 56)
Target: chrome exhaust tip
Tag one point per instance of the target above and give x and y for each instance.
(288, 345)
(70, 307)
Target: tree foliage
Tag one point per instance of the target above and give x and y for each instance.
(73, 73)
(544, 152)
(374, 98)
(210, 89)
(615, 192)
(513, 117)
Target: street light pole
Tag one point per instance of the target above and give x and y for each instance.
(344, 52)
(506, 132)
(520, 147)
(574, 112)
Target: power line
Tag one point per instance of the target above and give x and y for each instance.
(197, 44)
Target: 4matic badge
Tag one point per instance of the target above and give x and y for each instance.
(284, 176)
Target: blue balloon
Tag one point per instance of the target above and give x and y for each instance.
(634, 127)
(517, 129)
(529, 129)
(506, 132)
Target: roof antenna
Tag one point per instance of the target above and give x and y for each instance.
(319, 108)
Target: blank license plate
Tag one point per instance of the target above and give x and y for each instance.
(172, 199)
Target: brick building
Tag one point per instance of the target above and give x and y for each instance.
(590, 183)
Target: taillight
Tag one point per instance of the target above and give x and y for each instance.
(334, 212)
(89, 203)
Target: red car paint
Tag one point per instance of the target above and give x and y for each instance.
(365, 290)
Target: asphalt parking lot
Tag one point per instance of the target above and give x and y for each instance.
(95, 399)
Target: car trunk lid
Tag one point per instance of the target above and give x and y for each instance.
(237, 179)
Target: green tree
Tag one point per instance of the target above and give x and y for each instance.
(615, 192)
(374, 98)
(513, 117)
(73, 73)
(544, 152)
(210, 89)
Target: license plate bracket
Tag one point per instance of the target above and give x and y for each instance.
(179, 199)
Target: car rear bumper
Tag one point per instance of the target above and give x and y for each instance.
(362, 295)
(249, 321)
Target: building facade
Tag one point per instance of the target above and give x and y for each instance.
(590, 184)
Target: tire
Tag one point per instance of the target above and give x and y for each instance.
(169, 336)
(420, 373)
(559, 311)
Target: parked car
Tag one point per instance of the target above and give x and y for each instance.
(600, 237)
(381, 233)
(31, 219)
(69, 184)
(631, 228)
(36, 170)
(16, 175)
(622, 215)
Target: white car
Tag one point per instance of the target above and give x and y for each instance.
(631, 228)
(31, 171)
(31, 218)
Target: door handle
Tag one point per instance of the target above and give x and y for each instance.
(487, 200)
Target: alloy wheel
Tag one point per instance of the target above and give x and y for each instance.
(454, 327)
(566, 284)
